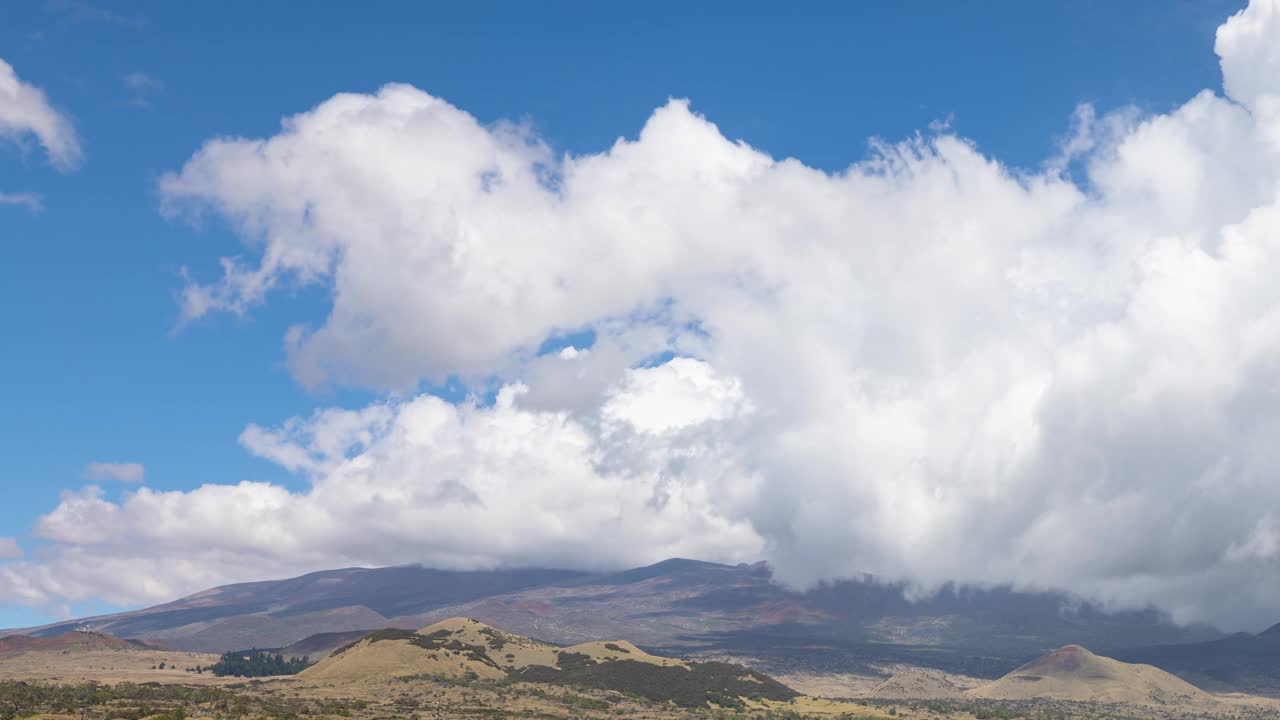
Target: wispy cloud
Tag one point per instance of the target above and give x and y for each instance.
(31, 201)
(122, 472)
(141, 88)
(83, 12)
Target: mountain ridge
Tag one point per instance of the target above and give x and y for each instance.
(1240, 662)
(678, 606)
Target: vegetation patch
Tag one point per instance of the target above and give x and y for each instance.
(577, 701)
(258, 664)
(129, 701)
(377, 636)
(497, 640)
(434, 641)
(440, 640)
(691, 686)
(431, 636)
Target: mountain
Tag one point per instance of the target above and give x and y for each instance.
(320, 644)
(1075, 674)
(280, 612)
(67, 642)
(1239, 663)
(468, 649)
(676, 607)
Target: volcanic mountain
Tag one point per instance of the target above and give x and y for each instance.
(465, 648)
(676, 607)
(1241, 663)
(1073, 673)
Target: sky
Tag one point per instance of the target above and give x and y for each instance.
(974, 292)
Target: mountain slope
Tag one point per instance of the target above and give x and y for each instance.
(280, 612)
(683, 607)
(917, 685)
(1075, 674)
(689, 607)
(1239, 663)
(321, 644)
(68, 642)
(465, 648)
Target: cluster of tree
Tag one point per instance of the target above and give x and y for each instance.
(688, 686)
(258, 664)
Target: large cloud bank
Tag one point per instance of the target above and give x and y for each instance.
(928, 366)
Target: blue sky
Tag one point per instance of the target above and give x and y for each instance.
(95, 367)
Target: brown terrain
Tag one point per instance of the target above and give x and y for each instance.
(72, 641)
(454, 668)
(919, 684)
(461, 668)
(77, 657)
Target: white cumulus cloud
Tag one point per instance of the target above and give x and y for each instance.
(675, 395)
(24, 110)
(9, 548)
(418, 480)
(928, 366)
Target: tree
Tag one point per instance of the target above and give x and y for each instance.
(256, 663)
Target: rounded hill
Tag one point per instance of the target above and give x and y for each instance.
(1073, 673)
(465, 648)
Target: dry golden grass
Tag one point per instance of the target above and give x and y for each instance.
(919, 684)
(396, 657)
(621, 650)
(109, 666)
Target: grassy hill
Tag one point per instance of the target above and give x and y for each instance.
(917, 684)
(463, 648)
(1073, 673)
